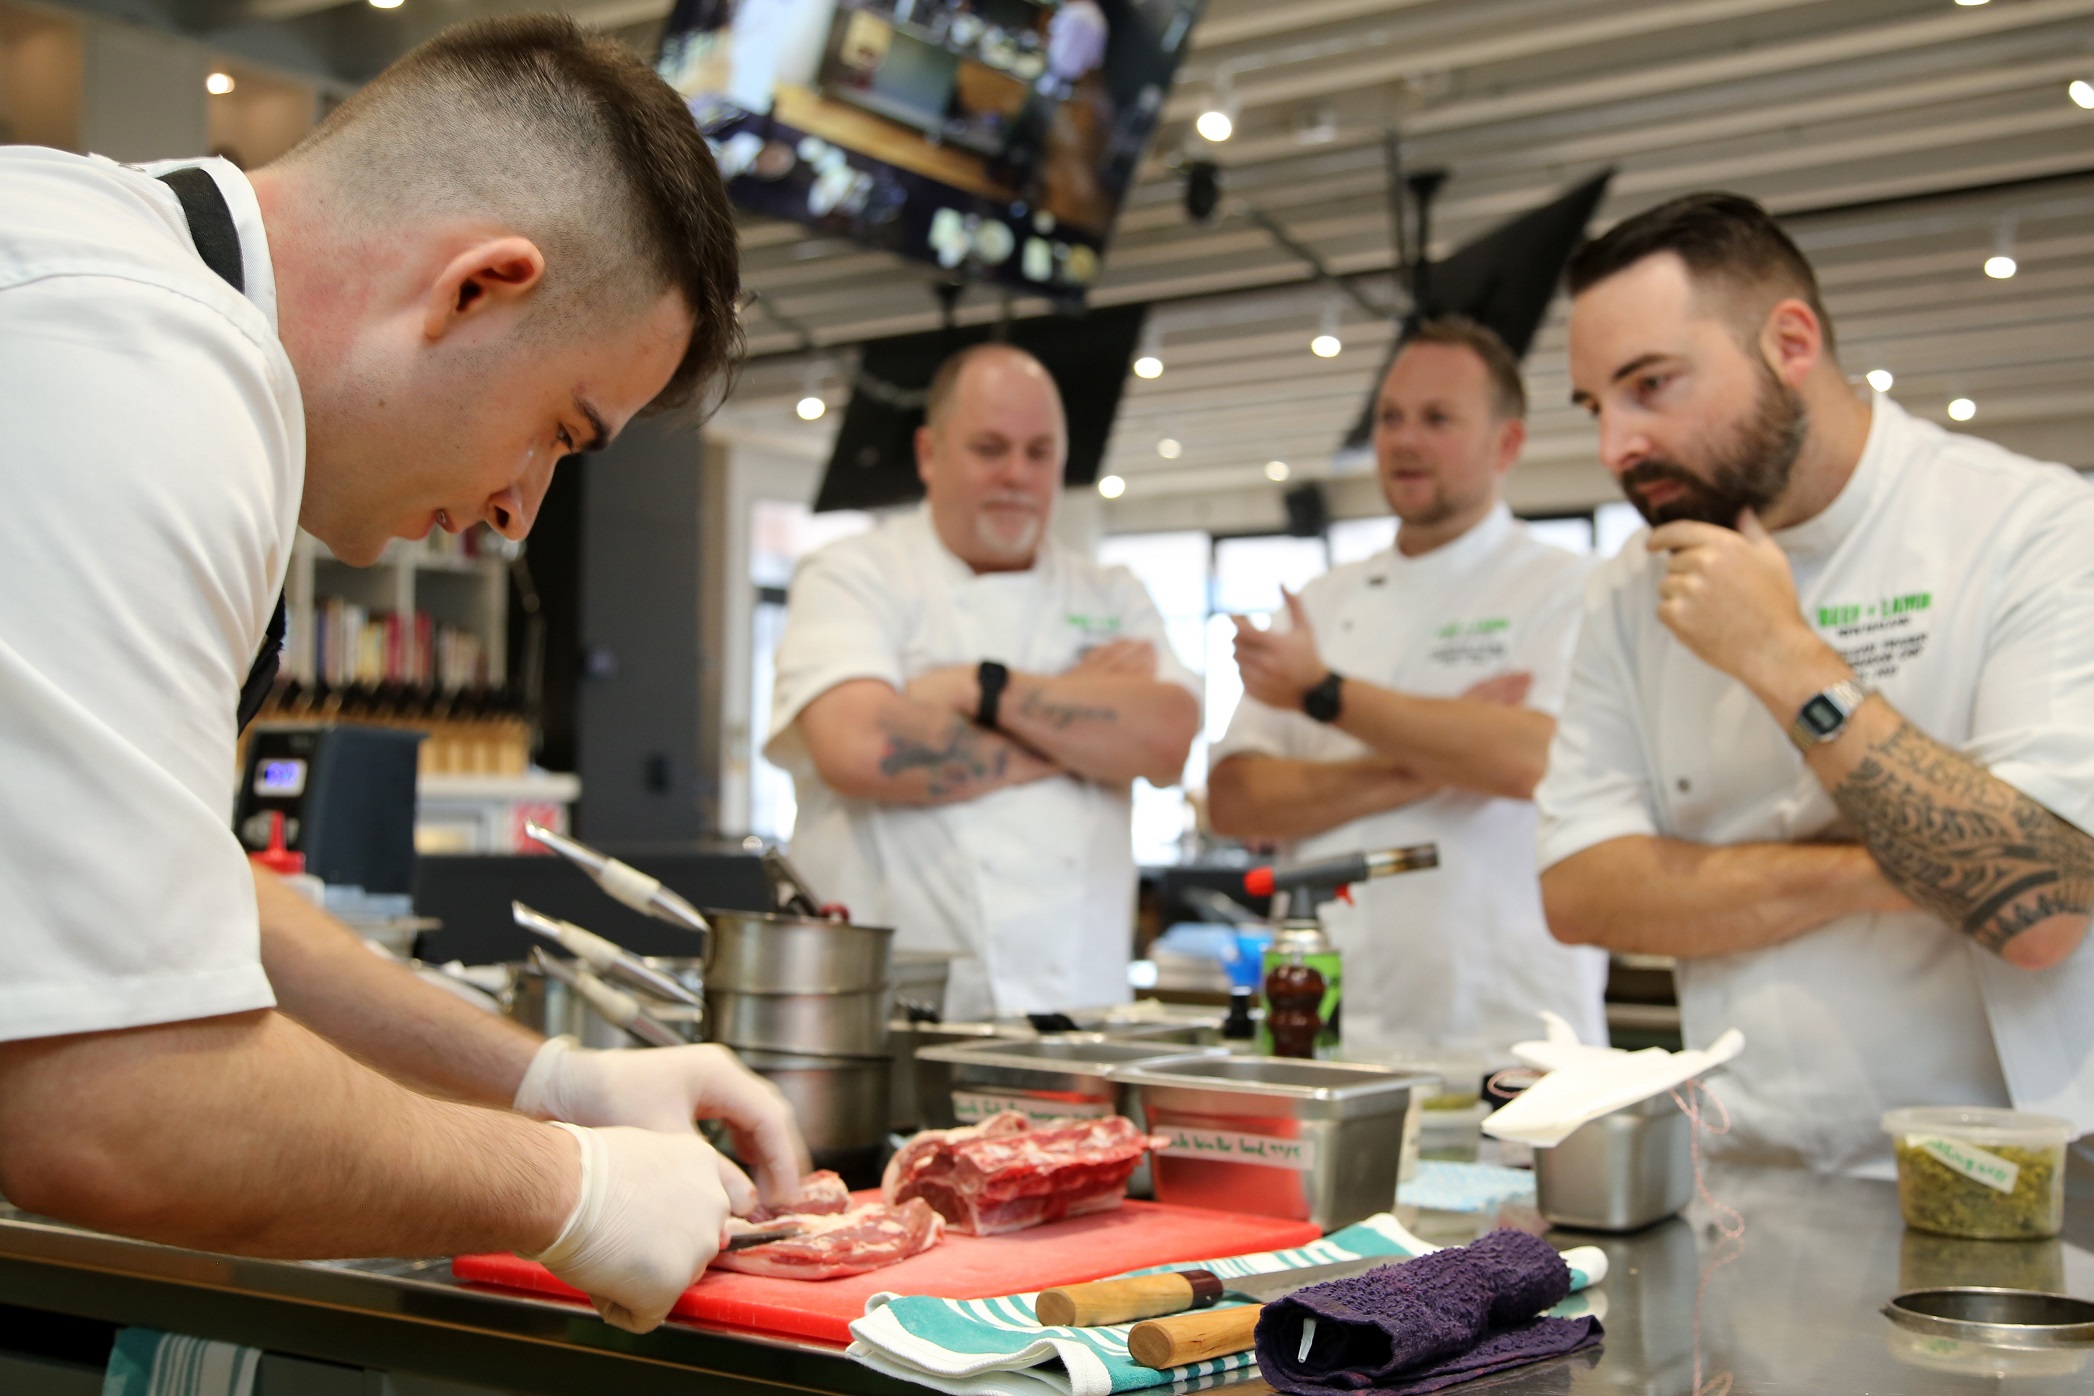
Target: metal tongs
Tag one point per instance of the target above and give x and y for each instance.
(618, 1008)
(605, 957)
(623, 881)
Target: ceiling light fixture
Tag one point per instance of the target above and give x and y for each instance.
(2001, 264)
(2081, 92)
(1111, 486)
(385, 4)
(1148, 366)
(1972, 4)
(1277, 471)
(1880, 379)
(1962, 409)
(1218, 122)
(1326, 346)
(810, 408)
(1169, 448)
(218, 84)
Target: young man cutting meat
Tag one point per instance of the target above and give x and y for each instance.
(495, 255)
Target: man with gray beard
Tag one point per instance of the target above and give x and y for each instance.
(964, 704)
(1829, 738)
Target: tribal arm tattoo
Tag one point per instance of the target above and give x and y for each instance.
(1963, 843)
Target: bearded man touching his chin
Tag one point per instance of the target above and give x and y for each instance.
(1829, 737)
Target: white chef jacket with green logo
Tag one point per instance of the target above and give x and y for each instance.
(1458, 956)
(1031, 885)
(1959, 579)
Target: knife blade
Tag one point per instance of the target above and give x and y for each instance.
(762, 1235)
(1107, 1302)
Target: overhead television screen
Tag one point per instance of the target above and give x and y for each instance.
(995, 138)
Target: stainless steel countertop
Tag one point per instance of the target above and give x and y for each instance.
(1792, 1308)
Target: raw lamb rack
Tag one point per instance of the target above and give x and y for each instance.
(835, 1238)
(1006, 1174)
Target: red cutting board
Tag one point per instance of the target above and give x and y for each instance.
(959, 1267)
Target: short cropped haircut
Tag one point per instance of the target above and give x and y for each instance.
(1726, 240)
(945, 383)
(565, 137)
(1508, 390)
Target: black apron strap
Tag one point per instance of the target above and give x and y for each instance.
(217, 241)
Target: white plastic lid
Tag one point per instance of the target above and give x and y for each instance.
(1980, 1124)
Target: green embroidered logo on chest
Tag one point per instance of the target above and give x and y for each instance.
(1457, 628)
(1093, 625)
(1832, 617)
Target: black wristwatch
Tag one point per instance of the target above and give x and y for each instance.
(992, 677)
(1321, 702)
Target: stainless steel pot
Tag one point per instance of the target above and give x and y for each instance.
(1621, 1171)
(841, 1103)
(829, 1025)
(758, 953)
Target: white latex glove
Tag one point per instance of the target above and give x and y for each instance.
(665, 1089)
(651, 1216)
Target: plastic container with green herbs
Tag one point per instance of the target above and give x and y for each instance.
(1989, 1175)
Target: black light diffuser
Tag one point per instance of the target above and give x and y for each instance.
(873, 463)
(1504, 280)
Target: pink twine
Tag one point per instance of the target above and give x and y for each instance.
(1729, 1222)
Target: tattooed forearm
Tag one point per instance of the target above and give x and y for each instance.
(1964, 843)
(963, 759)
(1062, 716)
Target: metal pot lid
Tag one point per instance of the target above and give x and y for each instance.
(2008, 1318)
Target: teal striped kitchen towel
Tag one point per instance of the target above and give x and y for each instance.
(147, 1362)
(995, 1347)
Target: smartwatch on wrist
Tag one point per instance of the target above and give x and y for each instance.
(1824, 715)
(992, 677)
(1321, 702)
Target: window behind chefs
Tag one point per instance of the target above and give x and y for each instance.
(1829, 737)
(1408, 700)
(964, 702)
(493, 255)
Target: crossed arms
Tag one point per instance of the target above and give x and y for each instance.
(1108, 719)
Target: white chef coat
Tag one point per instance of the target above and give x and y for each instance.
(1032, 885)
(154, 457)
(1459, 956)
(1959, 579)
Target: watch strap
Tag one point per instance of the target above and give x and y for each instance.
(992, 678)
(1324, 700)
(1824, 714)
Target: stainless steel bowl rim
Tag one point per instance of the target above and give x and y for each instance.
(778, 918)
(2027, 1336)
(1374, 1080)
(1010, 1054)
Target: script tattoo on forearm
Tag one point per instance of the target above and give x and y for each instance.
(962, 760)
(1062, 716)
(1962, 842)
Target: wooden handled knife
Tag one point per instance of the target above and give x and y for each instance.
(1175, 1292)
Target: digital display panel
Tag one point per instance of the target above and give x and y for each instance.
(282, 777)
(994, 138)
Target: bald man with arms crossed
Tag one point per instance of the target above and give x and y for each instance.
(964, 704)
(1829, 738)
(496, 254)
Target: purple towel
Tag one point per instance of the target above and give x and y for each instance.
(1428, 1323)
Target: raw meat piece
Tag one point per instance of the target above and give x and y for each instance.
(842, 1243)
(821, 1193)
(1006, 1174)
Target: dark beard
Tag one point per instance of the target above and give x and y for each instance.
(1748, 472)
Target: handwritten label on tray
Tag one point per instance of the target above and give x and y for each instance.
(1222, 1146)
(970, 1107)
